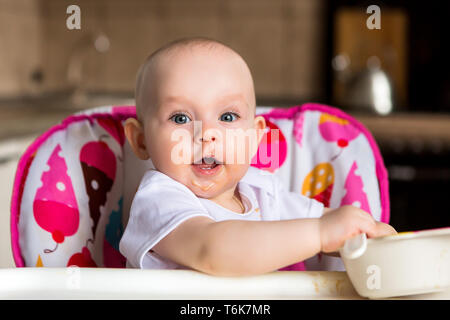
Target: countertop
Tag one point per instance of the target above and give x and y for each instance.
(102, 283)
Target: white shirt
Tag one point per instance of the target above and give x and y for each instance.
(162, 203)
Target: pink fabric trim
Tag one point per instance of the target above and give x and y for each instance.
(124, 111)
(120, 113)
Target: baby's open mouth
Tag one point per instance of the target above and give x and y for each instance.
(207, 163)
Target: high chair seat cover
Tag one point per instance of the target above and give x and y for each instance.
(75, 183)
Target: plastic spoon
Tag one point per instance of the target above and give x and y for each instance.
(354, 247)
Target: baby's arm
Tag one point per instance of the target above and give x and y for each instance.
(240, 247)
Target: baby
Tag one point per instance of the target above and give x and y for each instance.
(202, 208)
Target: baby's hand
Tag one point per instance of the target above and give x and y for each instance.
(343, 223)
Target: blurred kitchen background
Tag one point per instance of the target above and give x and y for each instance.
(395, 80)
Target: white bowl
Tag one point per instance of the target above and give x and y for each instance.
(404, 264)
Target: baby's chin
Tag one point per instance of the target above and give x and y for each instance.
(207, 186)
(212, 186)
(204, 194)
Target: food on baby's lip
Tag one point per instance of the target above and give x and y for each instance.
(318, 184)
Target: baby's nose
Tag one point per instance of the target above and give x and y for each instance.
(209, 135)
(211, 138)
(205, 132)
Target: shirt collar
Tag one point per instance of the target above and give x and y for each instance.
(259, 178)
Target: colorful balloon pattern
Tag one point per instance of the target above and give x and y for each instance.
(82, 259)
(319, 183)
(335, 129)
(355, 194)
(55, 207)
(113, 233)
(114, 128)
(98, 163)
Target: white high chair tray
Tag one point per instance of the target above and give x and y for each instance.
(107, 283)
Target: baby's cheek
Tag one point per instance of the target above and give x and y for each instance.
(172, 146)
(234, 174)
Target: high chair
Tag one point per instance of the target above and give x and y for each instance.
(75, 183)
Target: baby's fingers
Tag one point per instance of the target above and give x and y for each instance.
(381, 230)
(385, 229)
(367, 223)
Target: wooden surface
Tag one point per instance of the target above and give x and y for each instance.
(424, 127)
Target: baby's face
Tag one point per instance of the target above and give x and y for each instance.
(202, 105)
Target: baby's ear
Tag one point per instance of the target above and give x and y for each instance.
(136, 138)
(260, 125)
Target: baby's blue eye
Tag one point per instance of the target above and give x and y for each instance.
(228, 116)
(180, 118)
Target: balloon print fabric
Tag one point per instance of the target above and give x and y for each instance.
(325, 154)
(70, 213)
